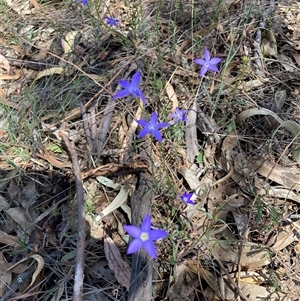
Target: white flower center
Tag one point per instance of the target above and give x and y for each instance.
(144, 236)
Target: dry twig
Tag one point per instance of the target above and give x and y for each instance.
(78, 279)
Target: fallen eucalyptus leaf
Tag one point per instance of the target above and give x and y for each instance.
(118, 201)
(120, 267)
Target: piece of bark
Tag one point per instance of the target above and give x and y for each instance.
(141, 270)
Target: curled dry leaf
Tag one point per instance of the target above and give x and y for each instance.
(120, 267)
(39, 268)
(118, 201)
(291, 126)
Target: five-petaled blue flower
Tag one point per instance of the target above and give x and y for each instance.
(208, 63)
(111, 21)
(178, 115)
(144, 237)
(152, 127)
(186, 197)
(84, 2)
(131, 88)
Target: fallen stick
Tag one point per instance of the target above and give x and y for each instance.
(79, 268)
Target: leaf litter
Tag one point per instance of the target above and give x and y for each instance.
(244, 227)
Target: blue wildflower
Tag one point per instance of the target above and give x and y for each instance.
(144, 237)
(111, 21)
(152, 127)
(208, 63)
(186, 198)
(131, 88)
(84, 2)
(178, 115)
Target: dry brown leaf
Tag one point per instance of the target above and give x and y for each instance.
(280, 193)
(120, 267)
(39, 268)
(286, 176)
(52, 160)
(117, 202)
(8, 240)
(180, 290)
(286, 63)
(247, 254)
(268, 44)
(51, 71)
(255, 83)
(283, 239)
(252, 291)
(19, 216)
(204, 274)
(172, 96)
(68, 43)
(190, 176)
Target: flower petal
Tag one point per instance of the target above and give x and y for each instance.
(125, 83)
(135, 245)
(190, 202)
(157, 234)
(143, 133)
(162, 125)
(203, 70)
(206, 55)
(172, 115)
(200, 61)
(136, 77)
(142, 96)
(215, 61)
(153, 118)
(146, 223)
(134, 231)
(143, 123)
(157, 135)
(213, 68)
(150, 248)
(121, 94)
